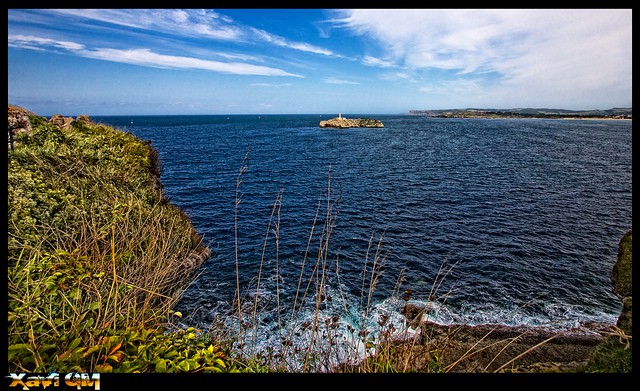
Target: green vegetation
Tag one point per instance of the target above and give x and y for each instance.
(622, 275)
(98, 257)
(614, 354)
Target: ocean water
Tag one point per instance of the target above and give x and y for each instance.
(509, 221)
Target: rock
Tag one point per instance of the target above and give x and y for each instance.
(57, 119)
(412, 312)
(84, 119)
(341, 122)
(195, 259)
(18, 122)
(60, 121)
(18, 118)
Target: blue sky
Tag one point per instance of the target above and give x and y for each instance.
(292, 61)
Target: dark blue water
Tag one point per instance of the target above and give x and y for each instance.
(524, 214)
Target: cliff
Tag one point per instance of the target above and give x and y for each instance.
(621, 278)
(93, 244)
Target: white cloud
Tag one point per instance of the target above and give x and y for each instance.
(270, 84)
(395, 76)
(32, 42)
(573, 53)
(189, 22)
(230, 56)
(339, 81)
(146, 57)
(279, 41)
(377, 62)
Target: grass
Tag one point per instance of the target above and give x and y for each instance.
(95, 251)
(98, 258)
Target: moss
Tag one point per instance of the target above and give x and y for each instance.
(621, 277)
(621, 273)
(611, 356)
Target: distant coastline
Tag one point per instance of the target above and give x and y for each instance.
(615, 113)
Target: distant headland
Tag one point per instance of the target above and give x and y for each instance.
(342, 122)
(614, 113)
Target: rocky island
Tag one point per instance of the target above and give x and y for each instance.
(341, 122)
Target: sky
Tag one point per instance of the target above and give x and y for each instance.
(308, 61)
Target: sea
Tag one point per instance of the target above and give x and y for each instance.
(511, 222)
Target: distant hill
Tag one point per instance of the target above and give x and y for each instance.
(615, 113)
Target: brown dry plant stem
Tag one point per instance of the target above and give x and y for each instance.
(242, 170)
(321, 263)
(526, 352)
(275, 210)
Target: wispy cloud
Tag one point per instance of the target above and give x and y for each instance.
(271, 84)
(39, 43)
(339, 81)
(190, 22)
(377, 62)
(395, 76)
(279, 41)
(538, 51)
(146, 57)
(199, 23)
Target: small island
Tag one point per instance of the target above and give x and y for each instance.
(341, 122)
